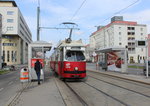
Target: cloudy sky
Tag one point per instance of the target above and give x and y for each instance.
(91, 14)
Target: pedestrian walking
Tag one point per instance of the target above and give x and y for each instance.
(38, 67)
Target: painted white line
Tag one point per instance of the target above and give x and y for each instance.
(10, 82)
(1, 89)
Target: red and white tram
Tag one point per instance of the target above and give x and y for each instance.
(68, 60)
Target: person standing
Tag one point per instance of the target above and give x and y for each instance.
(38, 67)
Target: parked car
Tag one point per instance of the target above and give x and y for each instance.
(9, 68)
(144, 69)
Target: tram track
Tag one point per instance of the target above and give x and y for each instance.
(71, 93)
(124, 79)
(120, 86)
(119, 83)
(103, 90)
(123, 103)
(106, 97)
(78, 96)
(123, 89)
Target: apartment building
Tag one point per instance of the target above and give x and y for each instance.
(15, 34)
(120, 33)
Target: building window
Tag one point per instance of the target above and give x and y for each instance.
(12, 56)
(119, 27)
(133, 43)
(119, 33)
(141, 29)
(131, 49)
(10, 12)
(131, 33)
(10, 20)
(141, 33)
(131, 28)
(10, 28)
(15, 56)
(129, 38)
(129, 44)
(3, 56)
(120, 43)
(141, 49)
(8, 44)
(8, 56)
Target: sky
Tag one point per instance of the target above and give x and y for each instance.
(91, 14)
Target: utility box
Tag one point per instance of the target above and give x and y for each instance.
(36, 51)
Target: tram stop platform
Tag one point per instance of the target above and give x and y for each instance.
(47, 94)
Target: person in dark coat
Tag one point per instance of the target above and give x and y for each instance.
(38, 67)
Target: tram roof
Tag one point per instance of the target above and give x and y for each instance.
(73, 43)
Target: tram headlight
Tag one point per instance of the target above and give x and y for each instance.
(76, 68)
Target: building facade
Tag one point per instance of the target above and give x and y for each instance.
(0, 41)
(15, 34)
(121, 33)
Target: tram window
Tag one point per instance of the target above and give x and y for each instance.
(74, 56)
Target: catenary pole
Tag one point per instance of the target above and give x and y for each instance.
(38, 18)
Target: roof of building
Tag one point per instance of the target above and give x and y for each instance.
(115, 23)
(13, 2)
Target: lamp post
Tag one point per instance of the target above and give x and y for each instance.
(147, 71)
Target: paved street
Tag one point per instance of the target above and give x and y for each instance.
(9, 85)
(52, 91)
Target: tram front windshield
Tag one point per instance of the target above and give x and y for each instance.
(75, 56)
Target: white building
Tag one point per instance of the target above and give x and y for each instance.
(121, 33)
(15, 34)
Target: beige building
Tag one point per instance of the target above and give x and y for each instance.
(120, 33)
(15, 34)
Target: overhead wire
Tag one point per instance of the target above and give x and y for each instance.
(77, 10)
(121, 10)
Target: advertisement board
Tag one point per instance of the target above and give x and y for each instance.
(34, 60)
(115, 60)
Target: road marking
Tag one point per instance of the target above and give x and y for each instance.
(10, 82)
(1, 89)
